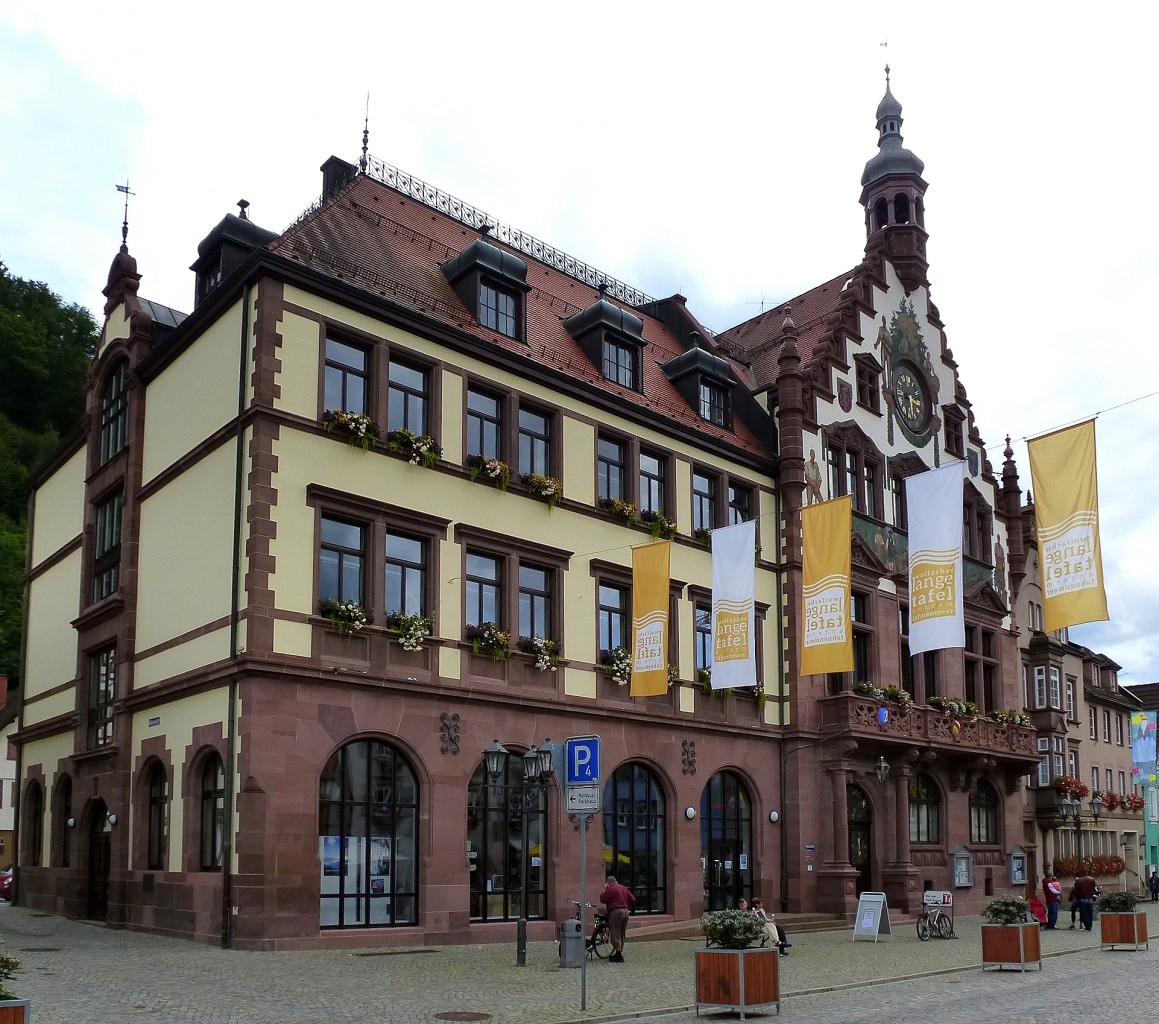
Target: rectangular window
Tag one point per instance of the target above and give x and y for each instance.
(107, 550)
(613, 617)
(651, 483)
(484, 425)
(1110, 779)
(1091, 721)
(739, 505)
(102, 693)
(981, 668)
(1094, 778)
(851, 473)
(1072, 764)
(703, 501)
(619, 363)
(158, 825)
(930, 673)
(406, 575)
(955, 437)
(611, 470)
(908, 680)
(862, 645)
(1058, 761)
(484, 602)
(534, 443)
(713, 404)
(1070, 712)
(868, 389)
(341, 561)
(703, 634)
(1106, 727)
(1044, 772)
(498, 309)
(1055, 694)
(114, 413)
(535, 601)
(1119, 730)
(897, 493)
(346, 377)
(1040, 686)
(1122, 784)
(407, 399)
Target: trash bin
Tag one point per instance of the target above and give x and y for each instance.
(571, 943)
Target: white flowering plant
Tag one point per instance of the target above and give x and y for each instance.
(412, 630)
(546, 487)
(618, 664)
(1011, 717)
(490, 469)
(545, 652)
(417, 448)
(348, 617)
(358, 428)
(623, 510)
(487, 638)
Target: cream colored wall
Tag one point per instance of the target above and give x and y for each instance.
(177, 722)
(300, 374)
(58, 511)
(194, 397)
(51, 653)
(46, 754)
(116, 328)
(186, 570)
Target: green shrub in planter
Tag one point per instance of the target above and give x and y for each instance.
(732, 929)
(1006, 910)
(1118, 902)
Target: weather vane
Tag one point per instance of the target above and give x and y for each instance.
(125, 223)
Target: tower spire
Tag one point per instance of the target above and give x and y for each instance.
(125, 222)
(362, 164)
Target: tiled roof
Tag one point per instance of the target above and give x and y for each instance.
(379, 239)
(756, 339)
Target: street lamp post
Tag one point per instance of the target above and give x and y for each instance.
(538, 769)
(1072, 809)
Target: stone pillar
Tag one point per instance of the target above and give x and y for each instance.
(901, 799)
(840, 850)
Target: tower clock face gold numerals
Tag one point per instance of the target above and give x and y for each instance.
(909, 399)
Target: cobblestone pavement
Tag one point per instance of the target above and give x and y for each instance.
(81, 972)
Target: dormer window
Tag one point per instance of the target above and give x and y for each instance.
(713, 403)
(612, 338)
(491, 283)
(620, 363)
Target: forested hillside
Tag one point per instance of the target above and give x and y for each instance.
(45, 349)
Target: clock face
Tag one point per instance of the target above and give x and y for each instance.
(909, 399)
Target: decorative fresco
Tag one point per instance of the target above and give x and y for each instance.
(892, 547)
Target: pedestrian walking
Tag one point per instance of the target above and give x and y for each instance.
(1084, 892)
(619, 901)
(1052, 896)
(1153, 885)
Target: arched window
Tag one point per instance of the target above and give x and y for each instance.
(495, 844)
(62, 812)
(983, 813)
(212, 814)
(901, 208)
(634, 836)
(880, 213)
(114, 412)
(726, 841)
(33, 822)
(925, 809)
(158, 827)
(368, 837)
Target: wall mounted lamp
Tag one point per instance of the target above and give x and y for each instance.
(690, 813)
(882, 769)
(71, 823)
(774, 816)
(112, 819)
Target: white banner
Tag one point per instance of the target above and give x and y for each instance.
(734, 551)
(934, 500)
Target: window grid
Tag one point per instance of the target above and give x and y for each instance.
(341, 561)
(107, 551)
(535, 602)
(212, 814)
(102, 694)
(619, 363)
(739, 505)
(114, 413)
(158, 828)
(713, 404)
(703, 501)
(612, 613)
(868, 387)
(651, 483)
(346, 377)
(611, 470)
(406, 575)
(497, 309)
(407, 398)
(484, 425)
(484, 591)
(534, 443)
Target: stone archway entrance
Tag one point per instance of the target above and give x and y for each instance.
(98, 861)
(860, 838)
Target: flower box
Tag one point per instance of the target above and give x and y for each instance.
(1124, 931)
(1011, 945)
(739, 979)
(14, 1011)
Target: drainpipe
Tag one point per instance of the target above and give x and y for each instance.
(227, 844)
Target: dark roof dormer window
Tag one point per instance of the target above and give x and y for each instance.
(705, 381)
(492, 284)
(613, 339)
(225, 248)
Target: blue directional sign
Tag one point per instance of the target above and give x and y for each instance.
(583, 760)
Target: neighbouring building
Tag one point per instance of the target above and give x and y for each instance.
(1148, 696)
(398, 417)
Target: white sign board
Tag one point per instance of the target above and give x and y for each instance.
(937, 898)
(583, 799)
(872, 919)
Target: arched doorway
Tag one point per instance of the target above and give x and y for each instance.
(634, 836)
(726, 841)
(99, 830)
(860, 833)
(368, 837)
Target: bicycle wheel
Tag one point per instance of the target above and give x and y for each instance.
(945, 927)
(923, 928)
(601, 942)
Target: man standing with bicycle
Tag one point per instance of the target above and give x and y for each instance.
(619, 900)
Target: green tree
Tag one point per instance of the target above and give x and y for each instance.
(45, 349)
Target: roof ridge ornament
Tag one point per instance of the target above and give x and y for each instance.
(362, 163)
(125, 223)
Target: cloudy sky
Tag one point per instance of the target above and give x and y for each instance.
(709, 149)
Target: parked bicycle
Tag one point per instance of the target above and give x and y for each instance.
(600, 940)
(933, 921)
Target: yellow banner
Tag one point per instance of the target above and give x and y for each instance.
(650, 619)
(827, 634)
(1066, 511)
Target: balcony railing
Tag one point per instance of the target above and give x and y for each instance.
(853, 713)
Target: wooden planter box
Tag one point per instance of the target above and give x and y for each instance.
(1011, 945)
(14, 1011)
(737, 979)
(1124, 931)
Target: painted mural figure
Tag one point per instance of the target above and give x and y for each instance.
(813, 479)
